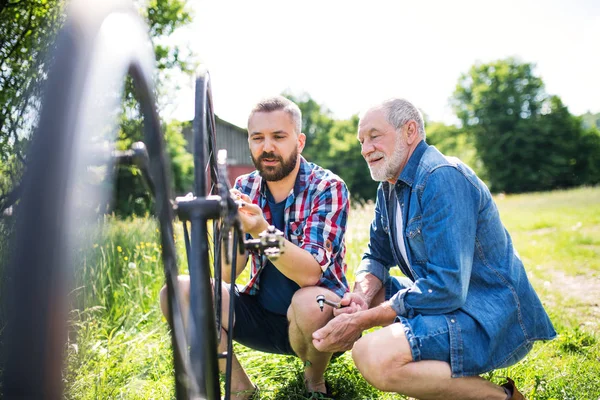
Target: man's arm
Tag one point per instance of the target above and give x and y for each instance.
(367, 285)
(254, 223)
(292, 256)
(341, 332)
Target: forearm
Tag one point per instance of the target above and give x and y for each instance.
(368, 285)
(242, 260)
(381, 315)
(298, 265)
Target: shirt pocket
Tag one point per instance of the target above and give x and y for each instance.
(296, 232)
(416, 244)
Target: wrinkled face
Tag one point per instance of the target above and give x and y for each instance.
(384, 149)
(274, 144)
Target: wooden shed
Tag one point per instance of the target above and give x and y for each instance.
(232, 138)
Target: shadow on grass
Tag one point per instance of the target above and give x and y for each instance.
(342, 377)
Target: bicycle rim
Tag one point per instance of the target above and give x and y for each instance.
(101, 43)
(203, 322)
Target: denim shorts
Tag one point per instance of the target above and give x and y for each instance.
(429, 339)
(258, 328)
(427, 335)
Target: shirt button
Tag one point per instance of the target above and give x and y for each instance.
(452, 320)
(430, 291)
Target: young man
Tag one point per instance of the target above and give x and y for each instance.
(277, 312)
(465, 306)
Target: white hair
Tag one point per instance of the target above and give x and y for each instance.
(399, 111)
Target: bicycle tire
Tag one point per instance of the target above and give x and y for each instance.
(204, 323)
(101, 43)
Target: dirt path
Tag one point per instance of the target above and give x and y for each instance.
(580, 294)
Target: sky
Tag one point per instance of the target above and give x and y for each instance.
(349, 55)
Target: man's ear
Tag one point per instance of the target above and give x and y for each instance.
(412, 132)
(301, 142)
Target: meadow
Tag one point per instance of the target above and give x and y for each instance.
(120, 344)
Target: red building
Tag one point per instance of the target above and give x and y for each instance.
(235, 140)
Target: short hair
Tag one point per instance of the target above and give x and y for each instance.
(399, 111)
(277, 103)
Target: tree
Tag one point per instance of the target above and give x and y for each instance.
(345, 159)
(163, 17)
(456, 142)
(332, 144)
(131, 197)
(317, 121)
(526, 139)
(27, 33)
(591, 120)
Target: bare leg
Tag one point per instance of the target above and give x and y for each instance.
(241, 386)
(306, 317)
(383, 357)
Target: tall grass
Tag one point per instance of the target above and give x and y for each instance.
(120, 347)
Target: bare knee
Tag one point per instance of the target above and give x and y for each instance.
(380, 365)
(304, 310)
(184, 292)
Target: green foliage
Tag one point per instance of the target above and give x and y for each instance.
(163, 18)
(27, 31)
(576, 341)
(526, 139)
(131, 196)
(343, 156)
(332, 144)
(182, 162)
(316, 124)
(590, 120)
(456, 142)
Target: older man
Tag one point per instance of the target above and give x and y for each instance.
(465, 305)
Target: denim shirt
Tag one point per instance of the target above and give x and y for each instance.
(461, 260)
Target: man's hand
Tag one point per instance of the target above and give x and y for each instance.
(351, 303)
(339, 334)
(251, 216)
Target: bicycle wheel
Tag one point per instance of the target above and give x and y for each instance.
(101, 43)
(204, 322)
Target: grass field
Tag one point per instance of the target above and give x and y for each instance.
(120, 346)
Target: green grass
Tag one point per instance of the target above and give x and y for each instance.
(120, 346)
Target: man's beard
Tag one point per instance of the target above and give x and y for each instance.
(276, 172)
(389, 165)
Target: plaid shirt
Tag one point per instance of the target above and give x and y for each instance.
(315, 218)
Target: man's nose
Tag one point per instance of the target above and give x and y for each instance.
(268, 145)
(366, 148)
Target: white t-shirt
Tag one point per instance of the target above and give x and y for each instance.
(399, 229)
